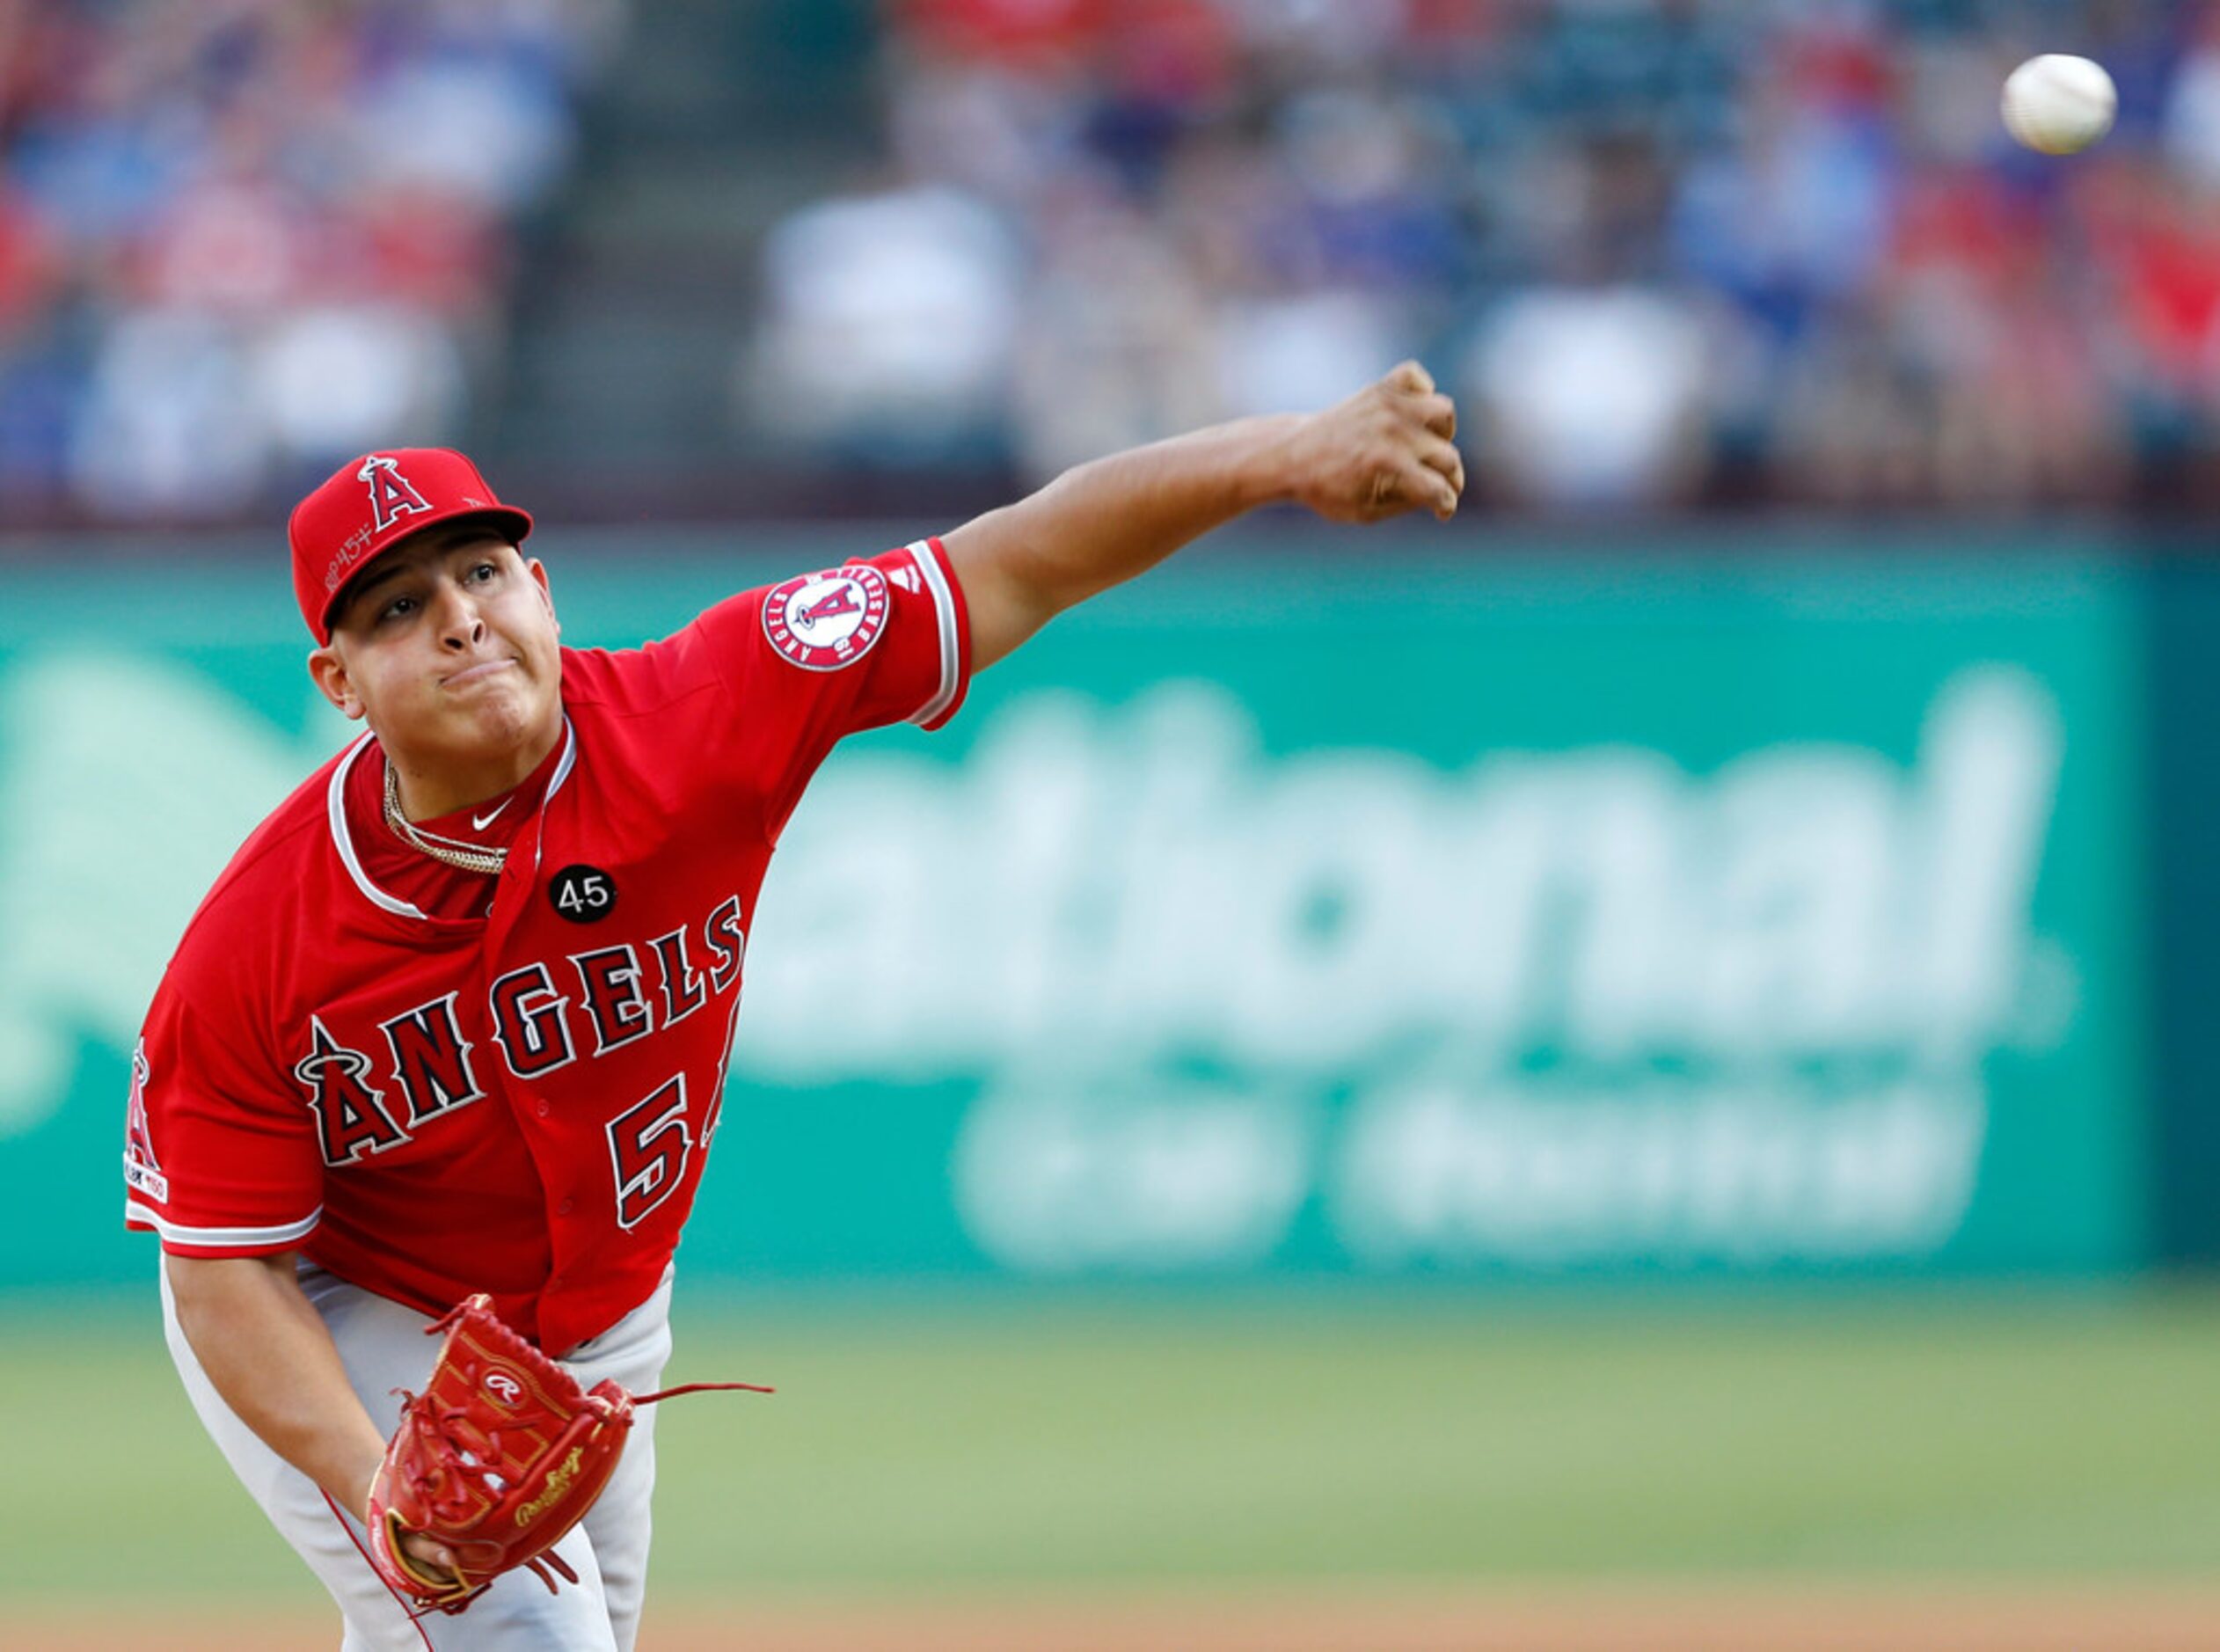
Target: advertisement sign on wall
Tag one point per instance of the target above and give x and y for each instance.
(1497, 918)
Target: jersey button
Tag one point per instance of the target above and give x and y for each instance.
(564, 1208)
(542, 1108)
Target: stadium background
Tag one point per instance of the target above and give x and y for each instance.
(1634, 1068)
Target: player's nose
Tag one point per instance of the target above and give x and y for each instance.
(454, 610)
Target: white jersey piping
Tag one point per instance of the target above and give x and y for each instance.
(335, 805)
(944, 604)
(563, 763)
(221, 1238)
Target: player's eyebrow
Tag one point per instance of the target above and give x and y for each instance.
(376, 577)
(437, 543)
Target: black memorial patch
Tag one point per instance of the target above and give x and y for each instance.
(584, 894)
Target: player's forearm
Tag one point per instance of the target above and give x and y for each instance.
(1102, 522)
(1387, 449)
(270, 1356)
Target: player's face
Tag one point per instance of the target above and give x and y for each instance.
(448, 648)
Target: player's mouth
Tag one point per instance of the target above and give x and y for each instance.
(477, 672)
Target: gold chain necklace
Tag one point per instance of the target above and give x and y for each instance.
(448, 851)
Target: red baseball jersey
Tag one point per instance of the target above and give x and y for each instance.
(518, 1100)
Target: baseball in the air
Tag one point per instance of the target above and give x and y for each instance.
(2060, 105)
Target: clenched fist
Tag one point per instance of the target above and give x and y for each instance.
(1387, 451)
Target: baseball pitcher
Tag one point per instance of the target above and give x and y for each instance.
(443, 1048)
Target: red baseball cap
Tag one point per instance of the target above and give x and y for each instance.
(370, 505)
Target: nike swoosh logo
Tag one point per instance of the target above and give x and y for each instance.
(479, 822)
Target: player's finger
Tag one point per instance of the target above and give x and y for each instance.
(1444, 458)
(1443, 488)
(1438, 413)
(1417, 485)
(1412, 379)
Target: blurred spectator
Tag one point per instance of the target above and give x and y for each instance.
(241, 239)
(2193, 113)
(1114, 310)
(1588, 398)
(888, 327)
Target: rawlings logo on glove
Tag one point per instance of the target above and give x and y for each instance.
(501, 1456)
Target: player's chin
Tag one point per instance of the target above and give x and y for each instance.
(494, 721)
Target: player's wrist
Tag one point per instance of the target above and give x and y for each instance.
(353, 1488)
(1270, 470)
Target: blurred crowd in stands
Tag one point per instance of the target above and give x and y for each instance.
(242, 240)
(1667, 250)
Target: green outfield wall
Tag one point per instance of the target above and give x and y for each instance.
(2183, 897)
(1527, 913)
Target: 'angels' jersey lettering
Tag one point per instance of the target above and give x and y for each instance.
(431, 1053)
(431, 1059)
(520, 1102)
(350, 1115)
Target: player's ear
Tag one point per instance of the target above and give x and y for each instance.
(539, 571)
(329, 673)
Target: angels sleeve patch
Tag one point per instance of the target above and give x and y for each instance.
(822, 622)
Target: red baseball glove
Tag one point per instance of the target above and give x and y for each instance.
(500, 1455)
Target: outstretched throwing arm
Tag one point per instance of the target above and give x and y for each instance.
(1387, 451)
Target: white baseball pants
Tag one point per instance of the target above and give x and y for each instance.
(384, 1348)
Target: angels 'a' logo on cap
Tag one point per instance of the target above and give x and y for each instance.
(824, 621)
(392, 495)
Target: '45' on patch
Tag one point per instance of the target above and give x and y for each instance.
(584, 894)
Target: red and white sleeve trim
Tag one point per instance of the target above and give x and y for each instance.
(948, 611)
(192, 1241)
